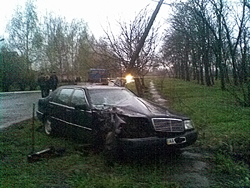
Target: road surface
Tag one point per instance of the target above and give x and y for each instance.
(17, 106)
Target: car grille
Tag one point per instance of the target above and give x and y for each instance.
(168, 125)
(136, 128)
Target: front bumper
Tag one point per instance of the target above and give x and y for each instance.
(180, 141)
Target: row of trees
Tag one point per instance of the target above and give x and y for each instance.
(53, 44)
(44, 45)
(209, 40)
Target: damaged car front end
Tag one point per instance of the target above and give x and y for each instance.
(136, 131)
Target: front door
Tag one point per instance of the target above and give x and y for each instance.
(81, 115)
(61, 111)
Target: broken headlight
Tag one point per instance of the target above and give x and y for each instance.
(188, 124)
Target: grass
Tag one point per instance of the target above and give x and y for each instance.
(76, 168)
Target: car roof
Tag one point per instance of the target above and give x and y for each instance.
(90, 87)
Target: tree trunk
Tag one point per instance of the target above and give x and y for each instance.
(235, 76)
(222, 77)
(201, 74)
(207, 75)
(143, 83)
(138, 87)
(248, 94)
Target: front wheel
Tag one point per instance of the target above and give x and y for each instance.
(110, 142)
(48, 126)
(112, 150)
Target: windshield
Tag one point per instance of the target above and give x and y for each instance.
(108, 97)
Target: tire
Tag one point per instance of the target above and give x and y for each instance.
(112, 150)
(48, 128)
(110, 142)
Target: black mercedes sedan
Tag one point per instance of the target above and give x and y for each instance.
(113, 117)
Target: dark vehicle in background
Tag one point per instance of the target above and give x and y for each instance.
(113, 118)
(98, 76)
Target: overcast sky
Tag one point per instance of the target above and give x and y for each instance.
(97, 13)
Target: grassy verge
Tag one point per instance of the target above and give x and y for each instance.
(76, 168)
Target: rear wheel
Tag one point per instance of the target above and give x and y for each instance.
(48, 126)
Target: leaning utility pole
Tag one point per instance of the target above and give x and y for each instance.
(140, 45)
(145, 34)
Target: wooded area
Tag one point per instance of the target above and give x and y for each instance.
(207, 41)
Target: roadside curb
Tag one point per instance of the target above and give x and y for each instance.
(19, 92)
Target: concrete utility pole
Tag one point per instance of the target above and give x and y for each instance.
(139, 47)
(145, 34)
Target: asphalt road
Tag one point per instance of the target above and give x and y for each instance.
(17, 106)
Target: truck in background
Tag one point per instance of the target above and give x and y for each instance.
(98, 76)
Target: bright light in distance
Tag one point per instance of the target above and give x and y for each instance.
(129, 78)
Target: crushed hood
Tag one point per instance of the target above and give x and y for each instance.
(141, 107)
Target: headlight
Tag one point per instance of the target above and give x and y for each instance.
(188, 124)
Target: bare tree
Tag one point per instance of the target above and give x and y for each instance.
(126, 44)
(65, 46)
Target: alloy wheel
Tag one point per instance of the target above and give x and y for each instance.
(48, 127)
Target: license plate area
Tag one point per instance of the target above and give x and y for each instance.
(178, 140)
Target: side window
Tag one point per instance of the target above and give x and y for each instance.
(64, 96)
(78, 98)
